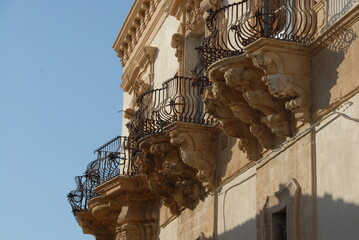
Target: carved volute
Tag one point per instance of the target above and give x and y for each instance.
(196, 145)
(167, 175)
(286, 66)
(230, 124)
(127, 208)
(249, 82)
(91, 225)
(261, 91)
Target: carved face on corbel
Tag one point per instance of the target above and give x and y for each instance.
(241, 79)
(278, 84)
(173, 165)
(262, 61)
(214, 106)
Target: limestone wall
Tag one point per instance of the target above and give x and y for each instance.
(236, 208)
(337, 155)
(274, 175)
(335, 69)
(191, 224)
(166, 64)
(169, 232)
(230, 158)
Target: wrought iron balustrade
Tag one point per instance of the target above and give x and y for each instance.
(79, 197)
(113, 159)
(235, 26)
(179, 99)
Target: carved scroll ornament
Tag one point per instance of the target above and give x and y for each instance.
(168, 176)
(292, 87)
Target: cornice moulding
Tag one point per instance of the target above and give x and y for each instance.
(138, 55)
(122, 184)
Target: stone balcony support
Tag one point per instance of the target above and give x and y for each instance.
(179, 164)
(286, 67)
(92, 225)
(261, 94)
(124, 209)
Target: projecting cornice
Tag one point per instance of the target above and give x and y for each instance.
(137, 20)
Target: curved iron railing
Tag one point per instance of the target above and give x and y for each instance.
(233, 27)
(79, 197)
(113, 159)
(179, 99)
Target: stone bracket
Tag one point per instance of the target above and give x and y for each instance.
(197, 147)
(286, 66)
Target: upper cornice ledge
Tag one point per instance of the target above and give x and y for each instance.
(133, 27)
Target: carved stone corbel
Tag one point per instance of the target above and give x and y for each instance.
(127, 207)
(196, 145)
(91, 225)
(129, 113)
(151, 53)
(248, 81)
(245, 113)
(194, 15)
(177, 43)
(287, 73)
(231, 125)
(167, 175)
(207, 5)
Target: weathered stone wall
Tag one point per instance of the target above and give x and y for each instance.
(236, 208)
(335, 69)
(336, 80)
(337, 173)
(273, 175)
(166, 64)
(198, 222)
(230, 158)
(191, 224)
(170, 231)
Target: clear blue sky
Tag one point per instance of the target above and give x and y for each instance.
(59, 97)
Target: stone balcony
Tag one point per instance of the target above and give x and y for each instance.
(173, 136)
(169, 155)
(258, 62)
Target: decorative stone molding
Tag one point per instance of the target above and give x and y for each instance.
(178, 43)
(140, 87)
(194, 15)
(189, 12)
(167, 175)
(127, 208)
(230, 124)
(284, 202)
(286, 66)
(207, 5)
(91, 225)
(138, 18)
(241, 109)
(151, 53)
(248, 81)
(197, 147)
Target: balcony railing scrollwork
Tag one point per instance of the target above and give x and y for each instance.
(179, 99)
(113, 159)
(235, 26)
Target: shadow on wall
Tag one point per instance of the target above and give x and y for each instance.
(326, 66)
(337, 220)
(337, 9)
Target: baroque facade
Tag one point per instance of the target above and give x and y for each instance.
(240, 122)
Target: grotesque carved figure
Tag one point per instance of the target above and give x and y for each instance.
(248, 81)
